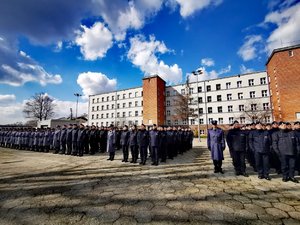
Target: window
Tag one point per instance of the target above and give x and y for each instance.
(218, 87)
(208, 98)
(130, 104)
(199, 89)
(141, 103)
(97, 100)
(176, 122)
(101, 123)
(124, 96)
(136, 103)
(239, 83)
(112, 115)
(168, 103)
(219, 98)
(118, 106)
(129, 114)
(102, 99)
(201, 121)
(253, 107)
(210, 120)
(141, 93)
(230, 107)
(268, 119)
(169, 122)
(200, 110)
(97, 116)
(93, 100)
(168, 113)
(174, 92)
(118, 115)
(220, 109)
(136, 113)
(252, 94)
(228, 84)
(92, 117)
(242, 120)
(229, 97)
(264, 93)
(240, 95)
(251, 82)
(191, 90)
(136, 94)
(208, 88)
(209, 109)
(124, 114)
(182, 91)
(241, 108)
(112, 106)
(291, 53)
(168, 93)
(192, 121)
(118, 97)
(200, 100)
(266, 106)
(107, 98)
(107, 106)
(102, 107)
(107, 124)
(263, 80)
(124, 105)
(102, 116)
(230, 120)
(184, 121)
(129, 95)
(202, 131)
(112, 98)
(93, 108)
(107, 115)
(220, 120)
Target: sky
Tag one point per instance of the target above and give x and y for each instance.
(95, 46)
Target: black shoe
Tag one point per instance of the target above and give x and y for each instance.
(294, 180)
(123, 160)
(245, 174)
(153, 164)
(285, 179)
(221, 171)
(109, 159)
(268, 178)
(237, 173)
(260, 177)
(216, 171)
(131, 161)
(141, 163)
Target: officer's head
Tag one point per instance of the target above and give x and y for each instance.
(288, 126)
(111, 127)
(125, 127)
(133, 127)
(81, 126)
(268, 126)
(143, 127)
(93, 127)
(74, 125)
(258, 125)
(214, 123)
(297, 125)
(275, 124)
(282, 125)
(58, 127)
(236, 124)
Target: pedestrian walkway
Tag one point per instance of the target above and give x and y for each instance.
(43, 188)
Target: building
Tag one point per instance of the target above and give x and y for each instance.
(242, 97)
(283, 68)
(52, 123)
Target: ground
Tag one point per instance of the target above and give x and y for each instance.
(43, 188)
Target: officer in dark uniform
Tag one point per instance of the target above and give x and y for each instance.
(274, 157)
(86, 148)
(133, 144)
(46, 140)
(259, 143)
(93, 140)
(154, 142)
(176, 141)
(297, 133)
(63, 140)
(237, 141)
(69, 139)
(124, 141)
(80, 137)
(143, 142)
(74, 140)
(286, 145)
(162, 144)
(169, 142)
(56, 139)
(103, 139)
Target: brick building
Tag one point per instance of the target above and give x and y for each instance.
(283, 69)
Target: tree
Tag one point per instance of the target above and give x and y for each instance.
(183, 102)
(40, 106)
(254, 111)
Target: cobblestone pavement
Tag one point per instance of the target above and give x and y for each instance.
(43, 188)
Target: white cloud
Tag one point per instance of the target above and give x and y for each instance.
(189, 7)
(12, 113)
(143, 54)
(244, 69)
(7, 98)
(94, 41)
(58, 46)
(62, 108)
(207, 62)
(95, 83)
(249, 49)
(287, 21)
(208, 75)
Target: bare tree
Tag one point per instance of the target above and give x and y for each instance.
(40, 107)
(183, 102)
(254, 111)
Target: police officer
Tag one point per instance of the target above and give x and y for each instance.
(259, 143)
(154, 143)
(103, 139)
(297, 133)
(69, 139)
(133, 144)
(162, 147)
(86, 147)
(93, 140)
(170, 142)
(111, 142)
(80, 137)
(56, 139)
(74, 140)
(143, 142)
(124, 141)
(63, 140)
(216, 146)
(286, 145)
(274, 157)
(238, 145)
(46, 140)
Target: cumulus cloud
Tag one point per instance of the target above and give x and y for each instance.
(143, 54)
(17, 68)
(94, 41)
(244, 69)
(287, 22)
(187, 8)
(95, 83)
(7, 98)
(62, 108)
(208, 75)
(207, 62)
(249, 49)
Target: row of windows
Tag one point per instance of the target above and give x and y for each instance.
(130, 104)
(220, 120)
(218, 87)
(118, 123)
(102, 116)
(124, 96)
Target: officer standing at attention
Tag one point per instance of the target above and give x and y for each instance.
(69, 139)
(56, 140)
(154, 142)
(297, 133)
(63, 140)
(103, 139)
(259, 143)
(111, 142)
(216, 145)
(286, 145)
(237, 141)
(74, 140)
(124, 141)
(143, 142)
(133, 144)
(80, 138)
(169, 143)
(93, 140)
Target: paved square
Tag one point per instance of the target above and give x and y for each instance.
(43, 188)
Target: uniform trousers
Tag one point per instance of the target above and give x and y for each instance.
(239, 163)
(262, 164)
(288, 166)
(134, 153)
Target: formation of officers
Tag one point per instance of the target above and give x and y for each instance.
(160, 143)
(275, 145)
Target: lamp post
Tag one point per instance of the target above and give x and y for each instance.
(77, 96)
(197, 73)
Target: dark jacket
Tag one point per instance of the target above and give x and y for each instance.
(285, 142)
(260, 141)
(124, 140)
(133, 138)
(237, 140)
(143, 138)
(154, 138)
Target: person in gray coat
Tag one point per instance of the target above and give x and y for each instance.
(74, 140)
(69, 139)
(63, 140)
(111, 138)
(56, 140)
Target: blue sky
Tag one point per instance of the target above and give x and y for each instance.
(65, 47)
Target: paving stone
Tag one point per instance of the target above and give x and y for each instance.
(295, 215)
(277, 213)
(284, 207)
(290, 222)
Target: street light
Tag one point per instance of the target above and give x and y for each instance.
(77, 96)
(196, 73)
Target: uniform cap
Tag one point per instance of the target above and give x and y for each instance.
(214, 122)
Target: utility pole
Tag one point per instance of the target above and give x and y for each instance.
(77, 96)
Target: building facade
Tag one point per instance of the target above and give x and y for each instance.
(245, 98)
(283, 68)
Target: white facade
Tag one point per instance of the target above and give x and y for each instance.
(223, 99)
(118, 108)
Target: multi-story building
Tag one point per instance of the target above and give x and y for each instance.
(283, 68)
(242, 97)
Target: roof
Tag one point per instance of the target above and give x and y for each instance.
(282, 50)
(153, 76)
